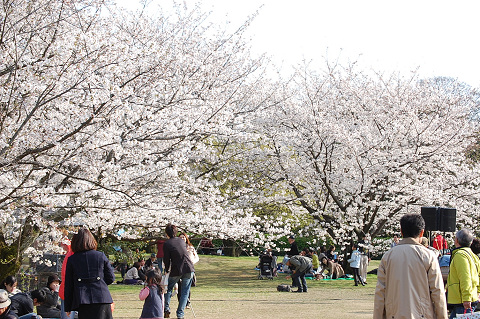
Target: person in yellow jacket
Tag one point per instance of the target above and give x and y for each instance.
(463, 279)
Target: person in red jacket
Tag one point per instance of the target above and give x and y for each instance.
(439, 243)
(66, 245)
(160, 243)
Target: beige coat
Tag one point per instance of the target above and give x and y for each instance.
(334, 269)
(410, 284)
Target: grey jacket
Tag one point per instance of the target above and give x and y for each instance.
(301, 263)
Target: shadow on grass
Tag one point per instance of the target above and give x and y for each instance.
(229, 288)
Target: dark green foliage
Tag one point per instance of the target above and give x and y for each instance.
(130, 251)
(8, 263)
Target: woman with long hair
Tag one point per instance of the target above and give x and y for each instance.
(192, 254)
(87, 275)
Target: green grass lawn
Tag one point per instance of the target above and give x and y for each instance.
(229, 287)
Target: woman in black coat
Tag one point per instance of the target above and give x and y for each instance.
(87, 275)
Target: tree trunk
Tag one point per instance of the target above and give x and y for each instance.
(231, 248)
(11, 255)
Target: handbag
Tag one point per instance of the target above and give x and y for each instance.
(284, 288)
(164, 281)
(471, 315)
(164, 284)
(192, 254)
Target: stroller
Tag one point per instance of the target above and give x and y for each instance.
(267, 266)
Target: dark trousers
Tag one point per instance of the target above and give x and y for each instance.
(95, 311)
(356, 277)
(299, 281)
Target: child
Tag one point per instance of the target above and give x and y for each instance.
(355, 265)
(153, 296)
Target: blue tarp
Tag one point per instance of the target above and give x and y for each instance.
(444, 261)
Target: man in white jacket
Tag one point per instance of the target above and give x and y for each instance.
(410, 282)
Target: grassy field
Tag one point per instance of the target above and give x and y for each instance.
(229, 288)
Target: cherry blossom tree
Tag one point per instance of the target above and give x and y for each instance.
(104, 117)
(120, 121)
(354, 151)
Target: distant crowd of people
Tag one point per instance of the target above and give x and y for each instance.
(82, 290)
(409, 277)
(325, 263)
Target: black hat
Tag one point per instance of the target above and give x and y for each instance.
(53, 278)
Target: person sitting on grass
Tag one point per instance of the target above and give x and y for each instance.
(334, 270)
(314, 257)
(132, 277)
(23, 303)
(9, 284)
(331, 253)
(5, 309)
(151, 262)
(141, 269)
(51, 307)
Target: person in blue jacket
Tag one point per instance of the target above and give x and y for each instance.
(355, 264)
(87, 275)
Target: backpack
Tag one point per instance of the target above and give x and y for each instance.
(284, 288)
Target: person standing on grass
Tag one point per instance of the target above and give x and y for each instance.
(463, 284)
(67, 245)
(364, 247)
(394, 241)
(153, 296)
(410, 283)
(354, 261)
(439, 243)
(300, 265)
(293, 247)
(86, 278)
(293, 252)
(160, 244)
(192, 254)
(179, 266)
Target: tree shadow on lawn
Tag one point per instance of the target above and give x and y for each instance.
(229, 288)
(239, 272)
